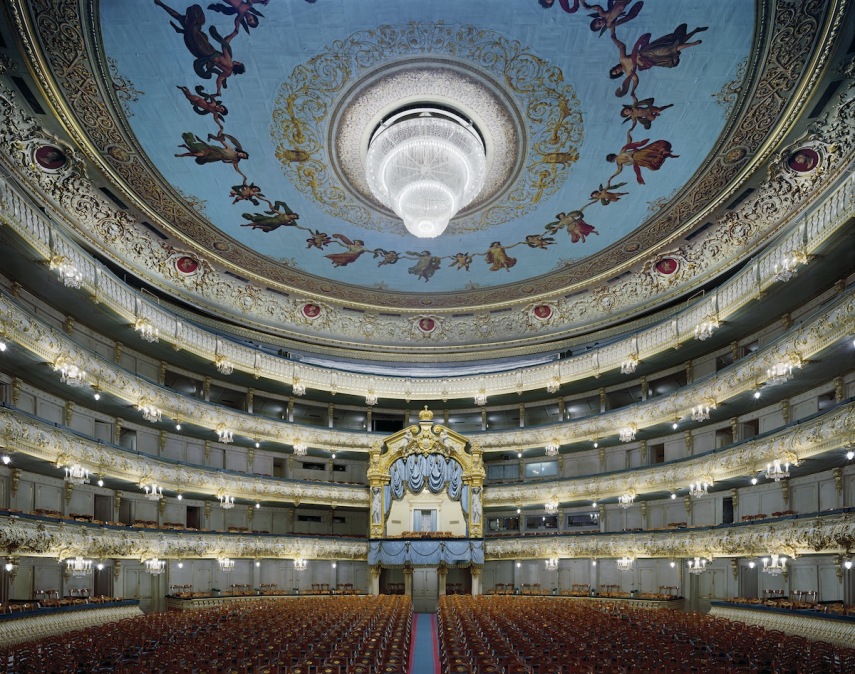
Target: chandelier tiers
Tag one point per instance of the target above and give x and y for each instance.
(552, 564)
(300, 564)
(153, 492)
(699, 489)
(76, 474)
(426, 164)
(624, 564)
(226, 564)
(155, 566)
(774, 565)
(69, 373)
(79, 567)
(776, 471)
(227, 502)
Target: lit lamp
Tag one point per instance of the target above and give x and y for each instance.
(697, 566)
(774, 565)
(624, 564)
(79, 567)
(155, 566)
(426, 164)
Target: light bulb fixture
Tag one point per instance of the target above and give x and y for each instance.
(69, 373)
(426, 164)
(847, 563)
(79, 567)
(332, 456)
(257, 505)
(227, 502)
(787, 267)
(146, 330)
(699, 489)
(179, 496)
(150, 412)
(629, 365)
(180, 565)
(297, 388)
(177, 425)
(774, 565)
(371, 399)
(593, 562)
(67, 272)
(551, 507)
(753, 479)
(100, 482)
(777, 471)
(300, 449)
(627, 433)
(702, 412)
(155, 566)
(3, 345)
(225, 435)
(752, 564)
(705, 329)
(757, 394)
(624, 564)
(782, 371)
(223, 365)
(153, 492)
(100, 566)
(519, 455)
(300, 564)
(697, 566)
(257, 563)
(76, 474)
(552, 564)
(480, 399)
(8, 567)
(675, 425)
(626, 500)
(673, 495)
(672, 564)
(96, 392)
(596, 444)
(849, 455)
(519, 565)
(553, 385)
(227, 565)
(6, 459)
(552, 448)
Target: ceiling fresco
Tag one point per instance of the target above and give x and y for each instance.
(597, 116)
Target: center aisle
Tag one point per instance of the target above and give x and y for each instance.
(424, 654)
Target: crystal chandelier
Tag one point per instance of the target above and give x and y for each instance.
(68, 273)
(227, 502)
(553, 385)
(300, 449)
(697, 566)
(147, 331)
(226, 564)
(629, 365)
(624, 564)
(626, 500)
(704, 329)
(627, 433)
(552, 448)
(551, 507)
(69, 373)
(224, 434)
(426, 164)
(300, 564)
(782, 372)
(224, 365)
(76, 474)
(702, 412)
(776, 471)
(79, 567)
(297, 388)
(787, 268)
(371, 399)
(150, 412)
(699, 489)
(481, 398)
(155, 566)
(774, 565)
(153, 492)
(552, 564)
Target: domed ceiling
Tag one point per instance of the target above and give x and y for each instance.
(617, 134)
(259, 114)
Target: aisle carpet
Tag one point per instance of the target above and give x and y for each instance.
(424, 655)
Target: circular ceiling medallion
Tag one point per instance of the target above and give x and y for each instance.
(186, 265)
(803, 160)
(311, 310)
(529, 117)
(426, 324)
(667, 266)
(542, 312)
(50, 158)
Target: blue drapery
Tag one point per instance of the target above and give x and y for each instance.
(426, 552)
(433, 471)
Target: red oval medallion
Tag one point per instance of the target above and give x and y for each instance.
(311, 310)
(542, 311)
(427, 324)
(186, 264)
(803, 160)
(667, 266)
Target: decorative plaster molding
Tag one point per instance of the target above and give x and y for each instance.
(803, 536)
(31, 537)
(834, 322)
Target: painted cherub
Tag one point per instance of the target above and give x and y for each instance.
(389, 257)
(539, 241)
(245, 192)
(318, 240)
(574, 223)
(231, 151)
(245, 14)
(204, 104)
(461, 261)
(613, 15)
(643, 112)
(606, 196)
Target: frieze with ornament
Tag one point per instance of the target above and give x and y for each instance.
(822, 534)
(62, 448)
(31, 536)
(798, 16)
(835, 322)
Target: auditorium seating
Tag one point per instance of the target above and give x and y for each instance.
(551, 636)
(311, 635)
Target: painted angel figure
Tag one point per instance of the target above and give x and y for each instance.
(640, 155)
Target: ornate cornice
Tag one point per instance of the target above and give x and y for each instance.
(793, 537)
(792, 444)
(743, 229)
(63, 448)
(43, 538)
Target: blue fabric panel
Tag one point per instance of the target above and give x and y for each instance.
(425, 553)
